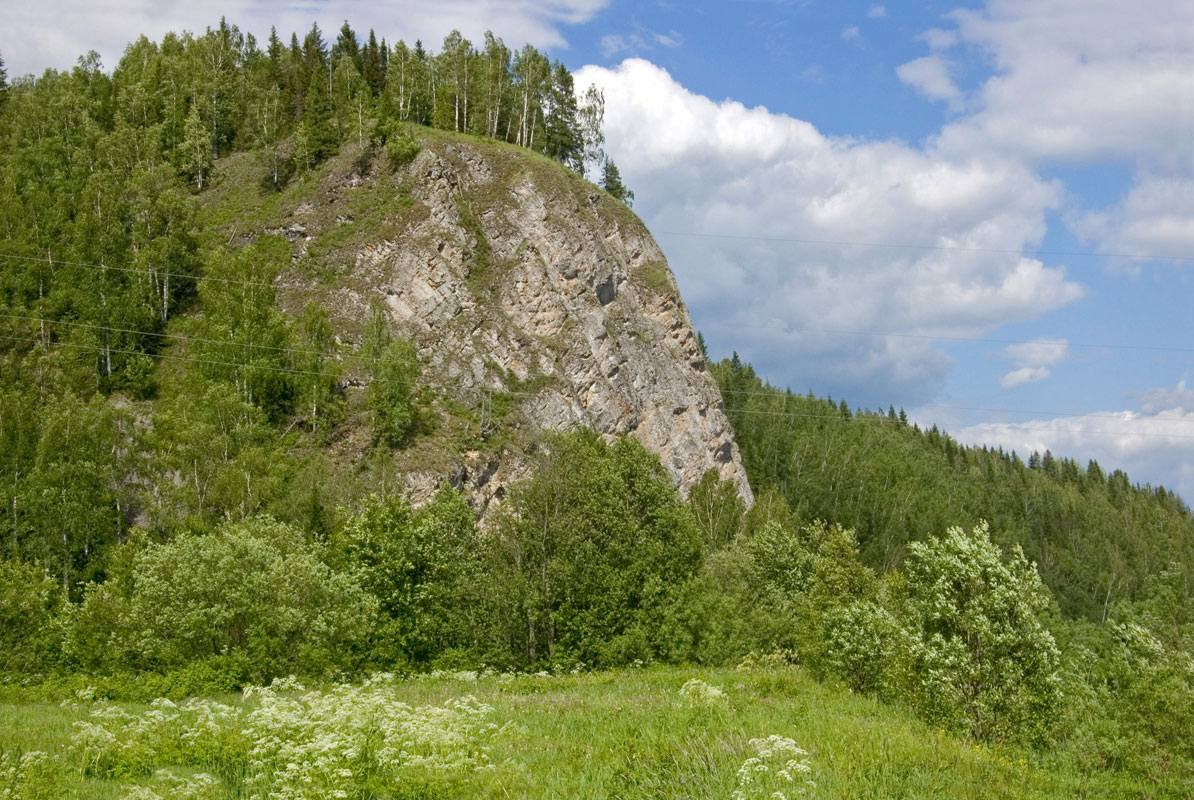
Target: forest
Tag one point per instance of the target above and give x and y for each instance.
(171, 527)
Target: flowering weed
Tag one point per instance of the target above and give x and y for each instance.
(778, 770)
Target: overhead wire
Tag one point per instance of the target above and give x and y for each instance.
(934, 247)
(801, 329)
(1103, 415)
(829, 416)
(343, 357)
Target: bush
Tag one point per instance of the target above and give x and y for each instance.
(596, 547)
(980, 659)
(423, 567)
(29, 600)
(254, 592)
(401, 147)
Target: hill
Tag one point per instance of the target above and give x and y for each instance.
(1096, 538)
(333, 378)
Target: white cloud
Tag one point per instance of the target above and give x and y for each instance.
(1040, 353)
(851, 32)
(938, 39)
(1151, 445)
(876, 12)
(638, 42)
(1019, 377)
(802, 312)
(931, 76)
(1078, 81)
(613, 44)
(1155, 401)
(1091, 82)
(44, 35)
(1033, 361)
(1155, 218)
(669, 39)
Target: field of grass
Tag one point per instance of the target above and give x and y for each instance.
(657, 732)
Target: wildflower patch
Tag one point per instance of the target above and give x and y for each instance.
(288, 743)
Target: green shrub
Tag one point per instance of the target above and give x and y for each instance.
(29, 600)
(595, 548)
(255, 593)
(401, 146)
(980, 659)
(424, 568)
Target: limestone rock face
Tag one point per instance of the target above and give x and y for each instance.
(528, 288)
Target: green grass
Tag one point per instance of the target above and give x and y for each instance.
(630, 734)
(655, 277)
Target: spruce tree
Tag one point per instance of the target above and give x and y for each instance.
(372, 66)
(611, 181)
(347, 45)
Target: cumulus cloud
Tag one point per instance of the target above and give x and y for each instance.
(1152, 445)
(1155, 218)
(931, 77)
(55, 34)
(1033, 361)
(851, 32)
(1076, 83)
(807, 312)
(877, 12)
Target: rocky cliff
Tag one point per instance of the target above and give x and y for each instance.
(537, 302)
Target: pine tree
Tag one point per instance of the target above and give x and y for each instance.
(611, 181)
(274, 55)
(319, 119)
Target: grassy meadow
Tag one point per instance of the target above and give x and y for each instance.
(655, 732)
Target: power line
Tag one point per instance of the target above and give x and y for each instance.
(175, 336)
(830, 417)
(788, 395)
(802, 329)
(973, 339)
(938, 247)
(95, 349)
(796, 415)
(136, 270)
(358, 358)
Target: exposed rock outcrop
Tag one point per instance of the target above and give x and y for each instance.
(523, 282)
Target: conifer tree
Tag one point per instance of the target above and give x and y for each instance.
(274, 55)
(563, 138)
(3, 79)
(319, 118)
(372, 67)
(611, 181)
(347, 45)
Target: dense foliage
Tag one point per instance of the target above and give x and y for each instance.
(1095, 537)
(169, 520)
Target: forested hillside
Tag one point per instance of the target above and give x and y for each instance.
(149, 375)
(1096, 537)
(199, 490)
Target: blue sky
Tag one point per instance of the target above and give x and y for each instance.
(986, 131)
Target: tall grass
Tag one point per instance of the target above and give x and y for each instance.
(629, 734)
